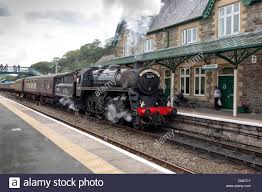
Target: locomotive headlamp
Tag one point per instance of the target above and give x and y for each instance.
(148, 113)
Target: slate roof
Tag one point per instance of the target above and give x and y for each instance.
(177, 11)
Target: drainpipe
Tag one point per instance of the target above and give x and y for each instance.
(167, 37)
(235, 92)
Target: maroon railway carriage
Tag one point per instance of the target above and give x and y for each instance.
(10, 86)
(39, 87)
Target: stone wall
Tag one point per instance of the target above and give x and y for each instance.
(250, 83)
(250, 74)
(254, 17)
(161, 40)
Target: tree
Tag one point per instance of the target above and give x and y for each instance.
(77, 59)
(42, 67)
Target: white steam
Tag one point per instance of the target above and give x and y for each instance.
(134, 9)
(138, 15)
(137, 31)
(116, 110)
(114, 116)
(68, 103)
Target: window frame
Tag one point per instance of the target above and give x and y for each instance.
(149, 45)
(167, 77)
(225, 16)
(199, 76)
(185, 32)
(127, 49)
(185, 76)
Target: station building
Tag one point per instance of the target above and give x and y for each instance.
(197, 45)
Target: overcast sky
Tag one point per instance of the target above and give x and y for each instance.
(39, 30)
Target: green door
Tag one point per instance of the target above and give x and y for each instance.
(226, 85)
(167, 87)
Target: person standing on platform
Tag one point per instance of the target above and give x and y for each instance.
(217, 97)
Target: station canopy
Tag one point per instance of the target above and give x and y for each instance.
(242, 46)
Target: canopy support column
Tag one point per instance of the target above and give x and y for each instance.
(172, 87)
(235, 92)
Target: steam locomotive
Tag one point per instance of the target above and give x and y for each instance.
(113, 93)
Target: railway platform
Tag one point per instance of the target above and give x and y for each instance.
(252, 119)
(244, 130)
(31, 142)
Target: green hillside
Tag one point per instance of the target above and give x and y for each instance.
(77, 59)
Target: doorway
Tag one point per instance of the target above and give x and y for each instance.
(226, 86)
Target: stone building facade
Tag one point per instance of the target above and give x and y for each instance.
(182, 22)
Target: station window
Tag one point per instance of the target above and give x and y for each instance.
(229, 20)
(200, 81)
(148, 45)
(185, 81)
(168, 73)
(167, 82)
(189, 36)
(127, 49)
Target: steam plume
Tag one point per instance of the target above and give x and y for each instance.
(116, 110)
(133, 9)
(68, 103)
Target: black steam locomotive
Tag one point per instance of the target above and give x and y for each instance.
(117, 94)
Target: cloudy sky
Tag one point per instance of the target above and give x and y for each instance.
(39, 30)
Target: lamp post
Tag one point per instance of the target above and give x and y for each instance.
(55, 64)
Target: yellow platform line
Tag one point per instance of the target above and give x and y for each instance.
(88, 159)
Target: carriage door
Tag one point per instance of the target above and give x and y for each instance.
(226, 85)
(167, 83)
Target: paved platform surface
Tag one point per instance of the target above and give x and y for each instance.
(33, 143)
(251, 119)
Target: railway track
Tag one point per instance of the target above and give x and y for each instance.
(234, 152)
(175, 168)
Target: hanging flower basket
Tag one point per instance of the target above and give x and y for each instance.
(244, 108)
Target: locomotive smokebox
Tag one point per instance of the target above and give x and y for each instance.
(146, 80)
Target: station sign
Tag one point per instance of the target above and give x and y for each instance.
(210, 68)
